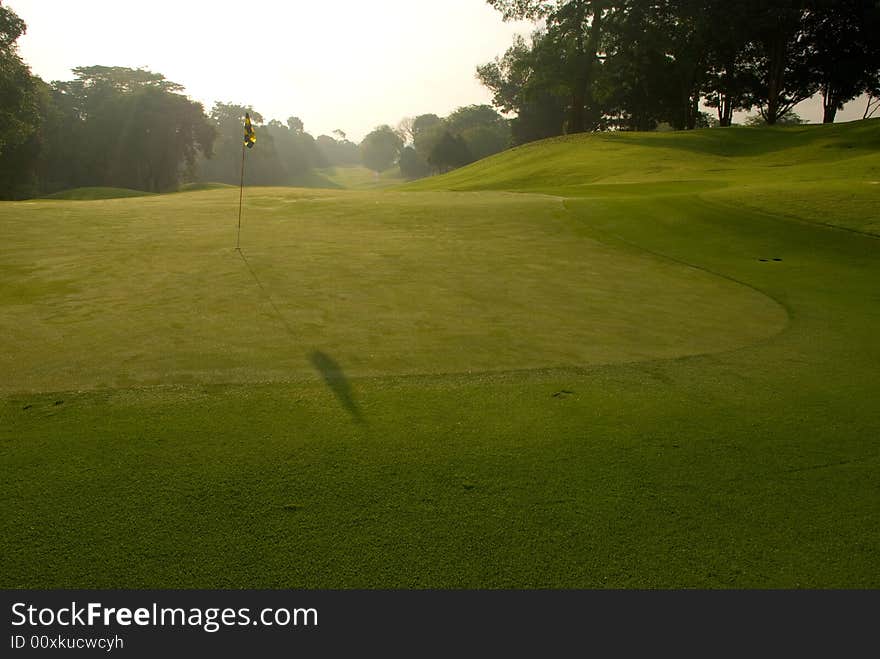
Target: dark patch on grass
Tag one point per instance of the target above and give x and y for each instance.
(337, 382)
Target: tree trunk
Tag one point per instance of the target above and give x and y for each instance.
(830, 114)
(775, 76)
(577, 119)
(694, 112)
(829, 105)
(582, 101)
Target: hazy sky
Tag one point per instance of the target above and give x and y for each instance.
(348, 64)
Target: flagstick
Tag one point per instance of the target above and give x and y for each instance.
(240, 197)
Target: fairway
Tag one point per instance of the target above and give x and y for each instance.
(604, 361)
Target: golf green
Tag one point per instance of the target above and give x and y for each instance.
(630, 361)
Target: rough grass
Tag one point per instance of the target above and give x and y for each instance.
(740, 450)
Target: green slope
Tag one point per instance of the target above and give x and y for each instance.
(91, 194)
(828, 174)
(607, 376)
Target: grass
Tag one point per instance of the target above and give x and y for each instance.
(587, 376)
(357, 177)
(90, 194)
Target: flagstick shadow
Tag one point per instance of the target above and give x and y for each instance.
(338, 383)
(329, 369)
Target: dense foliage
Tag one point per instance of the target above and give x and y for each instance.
(633, 64)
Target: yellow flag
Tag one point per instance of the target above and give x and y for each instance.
(250, 137)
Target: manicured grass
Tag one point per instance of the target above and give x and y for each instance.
(200, 187)
(636, 383)
(90, 194)
(388, 284)
(357, 177)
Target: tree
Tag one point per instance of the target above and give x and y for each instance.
(336, 153)
(845, 49)
(381, 148)
(263, 162)
(296, 150)
(729, 71)
(19, 110)
(526, 81)
(427, 130)
(483, 130)
(578, 24)
(412, 166)
(449, 152)
(405, 129)
(295, 125)
(780, 53)
(872, 90)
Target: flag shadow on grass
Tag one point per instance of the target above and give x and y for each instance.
(338, 383)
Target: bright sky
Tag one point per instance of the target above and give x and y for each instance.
(346, 64)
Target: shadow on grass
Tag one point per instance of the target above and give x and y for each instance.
(338, 383)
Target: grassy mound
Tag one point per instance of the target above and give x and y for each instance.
(91, 194)
(635, 361)
(827, 174)
(201, 187)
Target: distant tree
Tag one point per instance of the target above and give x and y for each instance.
(449, 152)
(295, 124)
(483, 130)
(405, 129)
(427, 130)
(412, 166)
(296, 150)
(381, 148)
(337, 153)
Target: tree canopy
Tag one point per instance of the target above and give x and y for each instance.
(381, 148)
(629, 64)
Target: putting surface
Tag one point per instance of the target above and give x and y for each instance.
(152, 291)
(745, 457)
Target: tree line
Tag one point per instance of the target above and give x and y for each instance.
(133, 128)
(633, 64)
(428, 144)
(590, 65)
